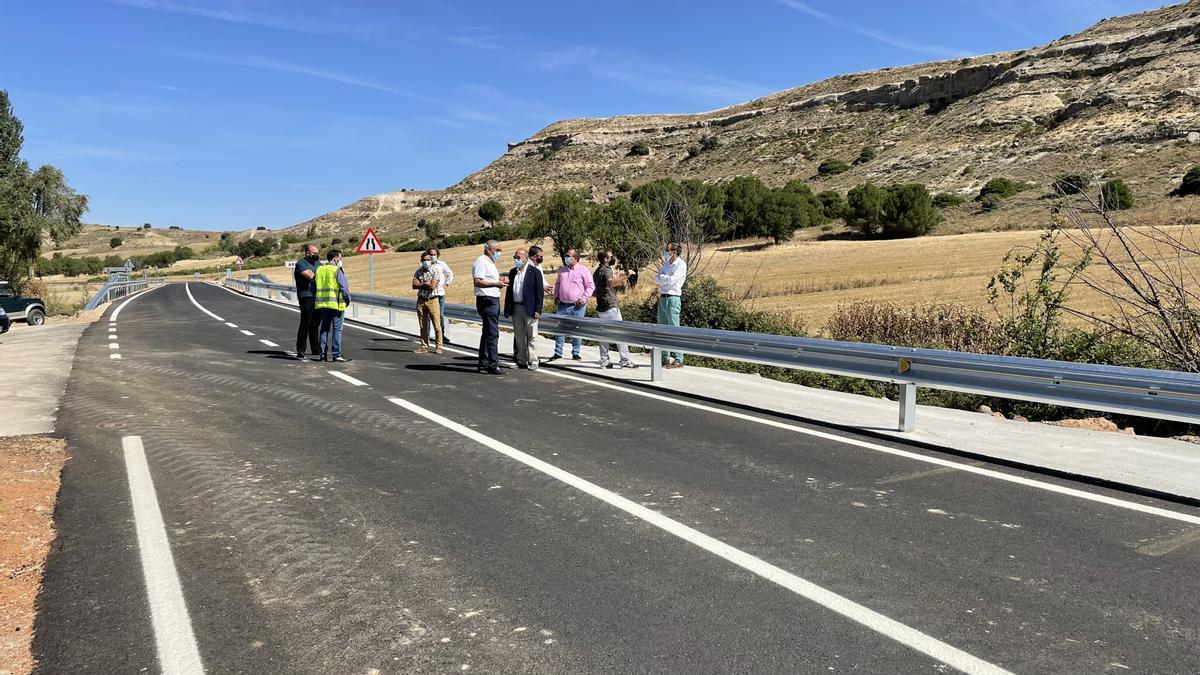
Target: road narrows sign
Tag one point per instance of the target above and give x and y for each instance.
(370, 243)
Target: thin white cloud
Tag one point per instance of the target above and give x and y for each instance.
(485, 42)
(872, 33)
(290, 21)
(653, 78)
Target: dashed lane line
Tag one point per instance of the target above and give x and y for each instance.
(342, 376)
(113, 345)
(115, 357)
(905, 635)
(176, 643)
(866, 445)
(246, 332)
(231, 325)
(268, 343)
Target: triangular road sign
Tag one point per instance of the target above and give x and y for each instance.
(370, 243)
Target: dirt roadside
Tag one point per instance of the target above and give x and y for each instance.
(30, 467)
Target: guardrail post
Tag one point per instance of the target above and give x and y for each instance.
(391, 318)
(908, 406)
(656, 367)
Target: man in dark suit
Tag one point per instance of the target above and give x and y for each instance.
(523, 303)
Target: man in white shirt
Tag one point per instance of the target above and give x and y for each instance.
(670, 280)
(488, 284)
(440, 293)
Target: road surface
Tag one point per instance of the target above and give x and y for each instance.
(227, 508)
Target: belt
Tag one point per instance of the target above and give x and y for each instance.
(668, 295)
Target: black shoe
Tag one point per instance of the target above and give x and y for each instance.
(608, 366)
(554, 358)
(318, 359)
(576, 357)
(299, 357)
(445, 339)
(495, 371)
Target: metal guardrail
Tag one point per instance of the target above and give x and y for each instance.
(114, 290)
(1161, 394)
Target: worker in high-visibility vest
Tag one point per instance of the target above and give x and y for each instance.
(333, 295)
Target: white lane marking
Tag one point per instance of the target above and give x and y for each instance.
(112, 336)
(200, 307)
(177, 650)
(864, 616)
(990, 473)
(268, 343)
(246, 332)
(347, 378)
(113, 345)
(348, 324)
(112, 329)
(117, 312)
(231, 325)
(115, 357)
(1020, 480)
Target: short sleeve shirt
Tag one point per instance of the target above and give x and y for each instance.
(485, 269)
(305, 288)
(606, 298)
(425, 276)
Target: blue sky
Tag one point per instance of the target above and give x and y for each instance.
(223, 114)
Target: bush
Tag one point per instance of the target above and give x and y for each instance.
(1115, 195)
(908, 211)
(335, 241)
(639, 149)
(931, 326)
(864, 208)
(1190, 185)
(710, 143)
(693, 151)
(1001, 187)
(624, 186)
(146, 226)
(114, 242)
(832, 167)
(832, 204)
(260, 228)
(1071, 184)
(174, 227)
(945, 200)
(991, 202)
(866, 156)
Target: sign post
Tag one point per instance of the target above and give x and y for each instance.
(370, 245)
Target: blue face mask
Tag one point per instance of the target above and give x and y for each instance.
(496, 256)
(666, 257)
(425, 264)
(567, 261)
(519, 262)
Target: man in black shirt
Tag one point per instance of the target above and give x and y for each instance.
(607, 282)
(306, 295)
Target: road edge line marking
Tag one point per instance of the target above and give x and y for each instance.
(176, 643)
(267, 343)
(246, 332)
(115, 357)
(868, 618)
(293, 309)
(354, 381)
(112, 318)
(187, 287)
(866, 445)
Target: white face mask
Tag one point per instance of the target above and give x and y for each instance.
(339, 263)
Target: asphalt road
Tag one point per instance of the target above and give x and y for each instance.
(438, 520)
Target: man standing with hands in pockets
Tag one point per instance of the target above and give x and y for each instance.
(572, 291)
(488, 284)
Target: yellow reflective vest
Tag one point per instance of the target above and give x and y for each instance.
(329, 293)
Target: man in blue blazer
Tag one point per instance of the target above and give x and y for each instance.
(523, 303)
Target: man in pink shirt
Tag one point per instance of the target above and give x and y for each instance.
(572, 291)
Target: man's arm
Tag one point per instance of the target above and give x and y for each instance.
(447, 272)
(589, 286)
(344, 285)
(308, 274)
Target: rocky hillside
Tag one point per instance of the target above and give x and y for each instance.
(1119, 99)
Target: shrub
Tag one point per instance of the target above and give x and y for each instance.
(709, 143)
(1115, 195)
(260, 228)
(693, 151)
(1001, 187)
(931, 326)
(1071, 184)
(991, 202)
(908, 211)
(832, 204)
(866, 156)
(945, 200)
(832, 167)
(624, 186)
(639, 149)
(864, 208)
(146, 226)
(114, 242)
(1190, 185)
(335, 241)
(174, 227)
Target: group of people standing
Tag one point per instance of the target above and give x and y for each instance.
(323, 293)
(524, 289)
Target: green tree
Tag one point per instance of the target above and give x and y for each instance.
(565, 217)
(432, 229)
(1190, 185)
(1115, 195)
(832, 204)
(832, 167)
(628, 230)
(114, 242)
(908, 211)
(782, 213)
(864, 208)
(744, 196)
(33, 205)
(491, 211)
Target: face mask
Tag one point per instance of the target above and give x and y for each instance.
(435, 258)
(519, 262)
(496, 256)
(311, 257)
(339, 264)
(666, 257)
(567, 261)
(425, 264)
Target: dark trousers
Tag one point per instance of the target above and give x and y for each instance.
(489, 312)
(309, 327)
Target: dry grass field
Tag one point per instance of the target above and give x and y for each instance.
(806, 280)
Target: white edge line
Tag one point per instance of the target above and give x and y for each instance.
(1020, 480)
(246, 332)
(115, 357)
(112, 318)
(114, 345)
(231, 325)
(342, 376)
(990, 473)
(177, 649)
(860, 614)
(293, 309)
(200, 307)
(268, 343)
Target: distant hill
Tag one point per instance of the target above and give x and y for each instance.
(1119, 99)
